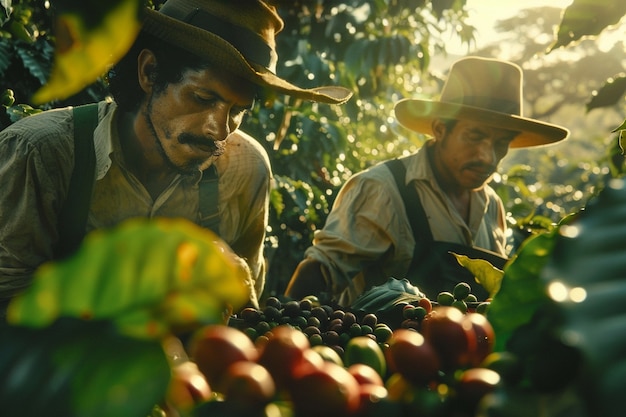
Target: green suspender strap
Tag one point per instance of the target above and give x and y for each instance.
(414, 209)
(73, 217)
(209, 213)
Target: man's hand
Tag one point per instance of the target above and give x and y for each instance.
(307, 279)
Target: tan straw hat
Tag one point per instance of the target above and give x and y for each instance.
(236, 34)
(483, 90)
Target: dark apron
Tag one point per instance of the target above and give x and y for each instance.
(434, 269)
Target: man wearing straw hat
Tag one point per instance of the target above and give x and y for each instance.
(402, 218)
(168, 145)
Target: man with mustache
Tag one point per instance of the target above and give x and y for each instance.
(402, 218)
(167, 145)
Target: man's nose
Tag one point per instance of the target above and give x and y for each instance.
(487, 153)
(217, 123)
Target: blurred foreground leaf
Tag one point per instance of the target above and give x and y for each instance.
(84, 49)
(147, 276)
(75, 368)
(587, 278)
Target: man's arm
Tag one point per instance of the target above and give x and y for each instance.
(307, 279)
(360, 231)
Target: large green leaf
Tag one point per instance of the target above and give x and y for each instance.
(487, 275)
(585, 18)
(521, 291)
(147, 276)
(75, 368)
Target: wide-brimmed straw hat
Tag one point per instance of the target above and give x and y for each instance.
(237, 35)
(483, 90)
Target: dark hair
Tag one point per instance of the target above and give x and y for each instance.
(172, 63)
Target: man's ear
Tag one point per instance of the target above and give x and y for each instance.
(146, 69)
(439, 128)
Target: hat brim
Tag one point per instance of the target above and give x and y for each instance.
(417, 115)
(215, 49)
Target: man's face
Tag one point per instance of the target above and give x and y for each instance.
(466, 155)
(190, 120)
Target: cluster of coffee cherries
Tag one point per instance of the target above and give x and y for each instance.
(323, 324)
(334, 325)
(462, 298)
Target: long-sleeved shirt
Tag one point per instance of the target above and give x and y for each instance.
(368, 225)
(36, 162)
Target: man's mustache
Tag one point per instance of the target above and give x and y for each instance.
(216, 147)
(479, 166)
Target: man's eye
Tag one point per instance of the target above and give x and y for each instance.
(206, 99)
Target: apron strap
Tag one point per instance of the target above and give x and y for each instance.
(73, 216)
(209, 193)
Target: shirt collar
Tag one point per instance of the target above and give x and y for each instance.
(103, 137)
(420, 169)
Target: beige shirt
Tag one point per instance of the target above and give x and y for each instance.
(36, 162)
(368, 224)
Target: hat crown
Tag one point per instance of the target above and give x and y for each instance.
(238, 36)
(257, 24)
(485, 83)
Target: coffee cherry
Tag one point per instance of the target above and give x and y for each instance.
(461, 290)
(445, 298)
